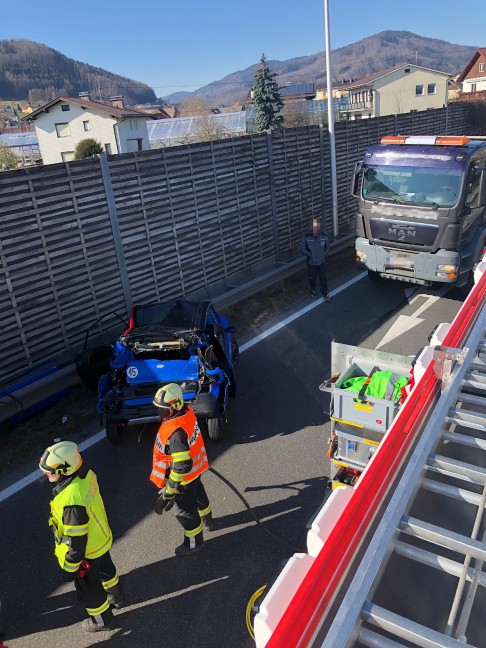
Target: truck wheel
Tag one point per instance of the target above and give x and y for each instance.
(115, 431)
(216, 428)
(374, 276)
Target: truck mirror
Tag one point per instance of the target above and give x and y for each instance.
(482, 188)
(355, 182)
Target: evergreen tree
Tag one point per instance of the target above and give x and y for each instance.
(8, 159)
(87, 148)
(266, 98)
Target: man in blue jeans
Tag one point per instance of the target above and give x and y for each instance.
(315, 246)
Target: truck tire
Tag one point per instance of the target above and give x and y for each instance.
(115, 431)
(216, 428)
(374, 276)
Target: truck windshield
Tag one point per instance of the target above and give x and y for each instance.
(417, 185)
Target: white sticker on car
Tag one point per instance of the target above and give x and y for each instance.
(132, 372)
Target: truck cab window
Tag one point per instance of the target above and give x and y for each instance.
(472, 190)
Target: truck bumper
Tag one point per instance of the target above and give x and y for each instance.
(413, 267)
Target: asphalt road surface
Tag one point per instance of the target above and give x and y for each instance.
(274, 453)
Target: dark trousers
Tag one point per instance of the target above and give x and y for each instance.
(313, 272)
(189, 507)
(93, 587)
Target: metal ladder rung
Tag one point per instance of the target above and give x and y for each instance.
(459, 469)
(374, 640)
(470, 398)
(454, 492)
(468, 415)
(462, 439)
(407, 629)
(443, 537)
(473, 384)
(436, 561)
(478, 366)
(471, 426)
(475, 376)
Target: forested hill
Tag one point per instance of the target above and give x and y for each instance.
(357, 60)
(31, 71)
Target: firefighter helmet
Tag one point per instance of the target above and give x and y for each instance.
(169, 398)
(62, 458)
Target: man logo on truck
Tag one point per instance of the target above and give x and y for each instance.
(402, 234)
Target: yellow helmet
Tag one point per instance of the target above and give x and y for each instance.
(169, 397)
(62, 458)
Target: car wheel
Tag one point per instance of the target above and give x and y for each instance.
(115, 431)
(374, 276)
(216, 428)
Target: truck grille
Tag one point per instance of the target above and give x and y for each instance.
(407, 232)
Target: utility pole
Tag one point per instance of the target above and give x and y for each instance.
(330, 120)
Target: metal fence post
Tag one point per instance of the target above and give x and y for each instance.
(272, 195)
(115, 227)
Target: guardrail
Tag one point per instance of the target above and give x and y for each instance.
(310, 586)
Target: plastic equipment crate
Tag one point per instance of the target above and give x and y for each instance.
(355, 445)
(346, 406)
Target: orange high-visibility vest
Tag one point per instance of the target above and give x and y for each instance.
(197, 451)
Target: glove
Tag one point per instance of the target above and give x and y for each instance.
(166, 500)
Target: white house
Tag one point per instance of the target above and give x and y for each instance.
(473, 77)
(64, 121)
(400, 89)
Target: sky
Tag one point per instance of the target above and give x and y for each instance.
(185, 44)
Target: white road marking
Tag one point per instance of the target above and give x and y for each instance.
(29, 479)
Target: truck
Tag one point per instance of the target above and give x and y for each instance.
(421, 209)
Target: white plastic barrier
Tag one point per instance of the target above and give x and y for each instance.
(327, 517)
(279, 596)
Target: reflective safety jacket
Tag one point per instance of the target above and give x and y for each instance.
(179, 452)
(382, 384)
(78, 520)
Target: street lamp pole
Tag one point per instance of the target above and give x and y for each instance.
(330, 123)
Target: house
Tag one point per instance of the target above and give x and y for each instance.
(399, 89)
(473, 77)
(297, 92)
(65, 121)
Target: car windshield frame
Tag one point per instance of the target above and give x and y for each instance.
(177, 315)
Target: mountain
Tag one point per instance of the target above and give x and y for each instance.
(354, 61)
(38, 73)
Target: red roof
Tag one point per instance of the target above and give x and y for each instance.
(481, 51)
(89, 104)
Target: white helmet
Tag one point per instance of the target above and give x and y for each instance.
(62, 458)
(169, 398)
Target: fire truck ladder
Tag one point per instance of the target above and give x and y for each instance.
(418, 581)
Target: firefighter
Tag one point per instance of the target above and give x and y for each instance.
(82, 534)
(178, 463)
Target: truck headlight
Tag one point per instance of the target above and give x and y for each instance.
(360, 256)
(447, 268)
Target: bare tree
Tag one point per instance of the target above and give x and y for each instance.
(193, 106)
(8, 159)
(208, 128)
(295, 114)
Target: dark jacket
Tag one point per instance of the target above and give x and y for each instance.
(315, 248)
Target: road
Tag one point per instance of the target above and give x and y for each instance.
(274, 453)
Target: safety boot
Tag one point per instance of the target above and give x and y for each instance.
(104, 621)
(184, 550)
(207, 521)
(115, 596)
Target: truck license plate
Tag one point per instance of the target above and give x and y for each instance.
(399, 261)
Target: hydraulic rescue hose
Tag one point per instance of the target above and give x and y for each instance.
(289, 547)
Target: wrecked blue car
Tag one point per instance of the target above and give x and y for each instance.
(181, 341)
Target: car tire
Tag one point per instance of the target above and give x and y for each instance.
(216, 428)
(115, 431)
(374, 276)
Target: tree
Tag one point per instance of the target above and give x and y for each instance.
(208, 129)
(295, 114)
(8, 159)
(267, 102)
(87, 148)
(193, 106)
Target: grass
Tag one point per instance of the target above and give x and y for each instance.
(78, 409)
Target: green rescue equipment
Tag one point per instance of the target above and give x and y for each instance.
(379, 384)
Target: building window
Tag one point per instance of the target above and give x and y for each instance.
(481, 67)
(67, 156)
(133, 124)
(431, 88)
(63, 130)
(419, 90)
(407, 70)
(86, 126)
(108, 149)
(473, 87)
(65, 107)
